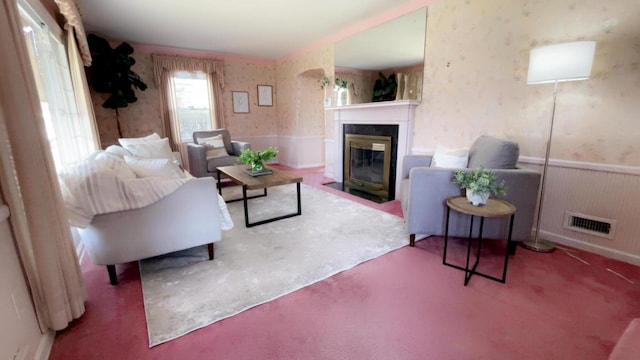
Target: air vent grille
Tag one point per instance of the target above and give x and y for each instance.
(590, 224)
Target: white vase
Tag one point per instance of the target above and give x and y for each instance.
(477, 199)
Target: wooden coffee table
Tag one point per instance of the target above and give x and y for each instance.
(238, 174)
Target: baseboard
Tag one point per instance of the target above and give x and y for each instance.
(592, 248)
(45, 345)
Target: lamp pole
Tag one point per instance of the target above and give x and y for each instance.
(537, 244)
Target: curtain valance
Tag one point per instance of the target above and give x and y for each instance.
(163, 62)
(69, 9)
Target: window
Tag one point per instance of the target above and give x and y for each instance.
(193, 99)
(70, 135)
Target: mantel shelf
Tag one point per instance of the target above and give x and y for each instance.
(380, 104)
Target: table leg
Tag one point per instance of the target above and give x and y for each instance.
(246, 210)
(506, 255)
(446, 237)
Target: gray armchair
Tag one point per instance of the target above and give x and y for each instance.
(200, 166)
(424, 190)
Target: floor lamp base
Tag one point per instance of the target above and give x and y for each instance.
(539, 246)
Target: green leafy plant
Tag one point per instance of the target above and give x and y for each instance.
(340, 83)
(257, 158)
(111, 73)
(385, 88)
(479, 180)
(324, 82)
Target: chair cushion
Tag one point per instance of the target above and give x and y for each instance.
(493, 153)
(215, 146)
(226, 137)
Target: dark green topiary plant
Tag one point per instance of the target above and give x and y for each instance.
(111, 73)
(385, 88)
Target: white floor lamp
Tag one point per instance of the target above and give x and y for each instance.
(553, 64)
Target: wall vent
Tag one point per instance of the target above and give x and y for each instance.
(589, 224)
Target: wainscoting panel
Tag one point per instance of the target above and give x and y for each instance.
(329, 158)
(603, 191)
(301, 152)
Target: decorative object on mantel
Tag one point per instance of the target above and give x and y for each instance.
(323, 85)
(257, 158)
(111, 73)
(340, 92)
(385, 88)
(569, 61)
(480, 183)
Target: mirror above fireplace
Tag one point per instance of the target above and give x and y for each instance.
(394, 46)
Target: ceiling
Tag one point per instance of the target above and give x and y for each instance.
(263, 29)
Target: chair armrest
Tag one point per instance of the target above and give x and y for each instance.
(411, 161)
(239, 145)
(197, 160)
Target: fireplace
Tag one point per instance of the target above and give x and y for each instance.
(399, 113)
(370, 159)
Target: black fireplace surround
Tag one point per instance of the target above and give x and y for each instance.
(377, 130)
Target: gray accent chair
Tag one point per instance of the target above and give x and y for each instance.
(199, 166)
(424, 191)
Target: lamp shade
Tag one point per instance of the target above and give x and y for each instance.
(561, 62)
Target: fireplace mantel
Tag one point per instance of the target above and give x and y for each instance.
(399, 112)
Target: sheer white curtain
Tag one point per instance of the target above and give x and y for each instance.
(30, 186)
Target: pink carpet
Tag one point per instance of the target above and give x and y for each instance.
(403, 305)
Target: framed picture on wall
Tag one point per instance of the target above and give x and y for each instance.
(265, 95)
(240, 102)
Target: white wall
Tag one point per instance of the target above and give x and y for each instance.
(21, 337)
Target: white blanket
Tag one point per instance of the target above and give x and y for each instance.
(97, 187)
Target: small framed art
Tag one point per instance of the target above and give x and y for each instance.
(240, 101)
(265, 95)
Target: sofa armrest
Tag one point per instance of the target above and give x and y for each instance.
(188, 217)
(411, 161)
(239, 145)
(197, 155)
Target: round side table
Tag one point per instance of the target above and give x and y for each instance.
(493, 208)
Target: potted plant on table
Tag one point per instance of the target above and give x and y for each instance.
(479, 183)
(257, 158)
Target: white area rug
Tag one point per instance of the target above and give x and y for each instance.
(184, 291)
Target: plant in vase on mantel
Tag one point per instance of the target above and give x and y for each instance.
(257, 158)
(479, 183)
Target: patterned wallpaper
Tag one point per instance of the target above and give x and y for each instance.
(144, 116)
(301, 109)
(476, 60)
(477, 55)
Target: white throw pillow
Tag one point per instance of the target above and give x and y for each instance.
(164, 168)
(153, 136)
(151, 149)
(116, 163)
(450, 158)
(117, 150)
(215, 146)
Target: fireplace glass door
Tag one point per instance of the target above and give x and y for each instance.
(367, 163)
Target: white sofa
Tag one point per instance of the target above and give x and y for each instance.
(188, 217)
